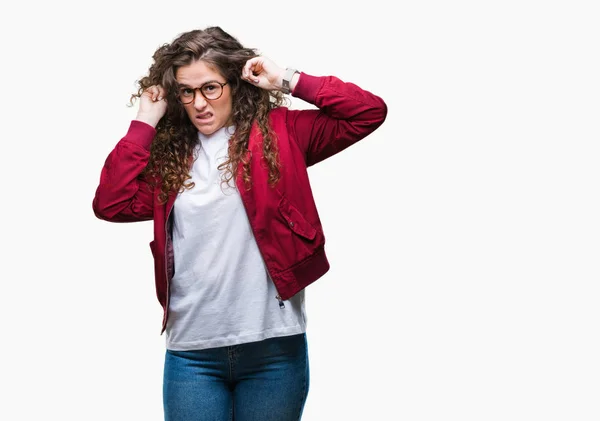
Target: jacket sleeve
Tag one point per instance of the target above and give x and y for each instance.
(123, 195)
(346, 114)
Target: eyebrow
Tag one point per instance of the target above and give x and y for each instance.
(185, 85)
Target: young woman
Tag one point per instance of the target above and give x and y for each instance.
(219, 162)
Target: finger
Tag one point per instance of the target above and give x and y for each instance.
(252, 77)
(161, 92)
(150, 92)
(247, 71)
(155, 93)
(252, 66)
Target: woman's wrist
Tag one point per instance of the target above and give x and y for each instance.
(294, 81)
(148, 119)
(288, 80)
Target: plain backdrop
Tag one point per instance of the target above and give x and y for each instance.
(463, 234)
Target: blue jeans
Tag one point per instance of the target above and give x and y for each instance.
(266, 380)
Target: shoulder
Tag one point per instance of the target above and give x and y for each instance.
(279, 114)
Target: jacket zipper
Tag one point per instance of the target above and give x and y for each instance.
(278, 296)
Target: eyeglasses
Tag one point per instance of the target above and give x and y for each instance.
(210, 90)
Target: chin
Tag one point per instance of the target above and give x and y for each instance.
(207, 130)
(210, 128)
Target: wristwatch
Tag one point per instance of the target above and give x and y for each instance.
(287, 78)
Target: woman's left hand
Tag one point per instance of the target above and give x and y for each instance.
(264, 73)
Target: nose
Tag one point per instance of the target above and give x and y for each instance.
(199, 101)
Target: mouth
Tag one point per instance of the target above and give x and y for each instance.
(203, 117)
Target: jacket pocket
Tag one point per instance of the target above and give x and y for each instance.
(296, 220)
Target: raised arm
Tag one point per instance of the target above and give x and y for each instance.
(346, 114)
(123, 194)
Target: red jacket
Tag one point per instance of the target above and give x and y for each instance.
(283, 218)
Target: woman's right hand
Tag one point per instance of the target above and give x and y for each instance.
(153, 105)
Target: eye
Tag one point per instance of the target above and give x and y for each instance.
(210, 87)
(186, 92)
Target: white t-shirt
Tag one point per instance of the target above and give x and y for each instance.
(221, 293)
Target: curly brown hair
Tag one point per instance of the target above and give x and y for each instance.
(176, 136)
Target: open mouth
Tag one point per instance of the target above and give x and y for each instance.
(204, 116)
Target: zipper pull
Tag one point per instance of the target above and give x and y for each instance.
(281, 305)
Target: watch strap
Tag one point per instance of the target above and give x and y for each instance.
(286, 80)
